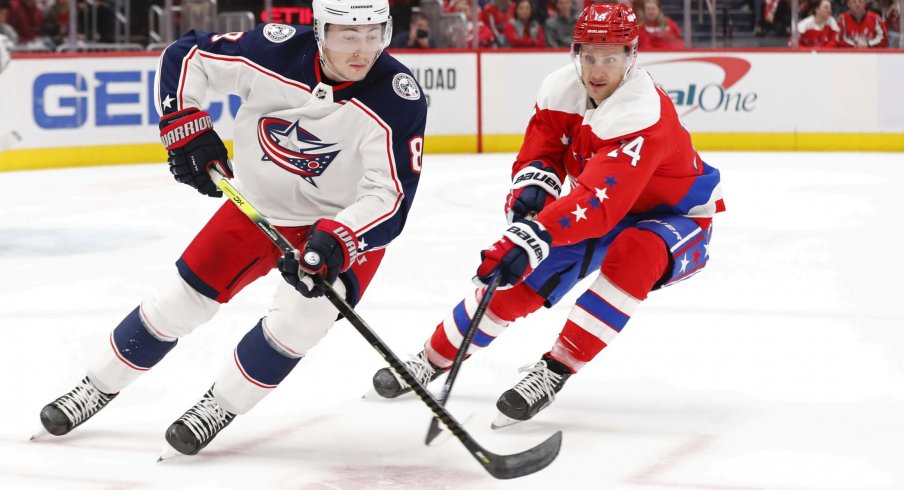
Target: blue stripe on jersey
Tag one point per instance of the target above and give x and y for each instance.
(463, 321)
(701, 190)
(194, 281)
(261, 362)
(602, 310)
(136, 345)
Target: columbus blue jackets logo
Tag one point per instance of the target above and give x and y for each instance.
(294, 149)
(405, 86)
(278, 32)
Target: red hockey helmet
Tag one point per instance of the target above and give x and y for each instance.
(610, 24)
(606, 23)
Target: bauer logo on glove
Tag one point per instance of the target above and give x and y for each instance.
(520, 250)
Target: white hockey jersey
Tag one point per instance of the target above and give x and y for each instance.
(304, 149)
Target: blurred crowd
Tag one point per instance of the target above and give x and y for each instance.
(45, 24)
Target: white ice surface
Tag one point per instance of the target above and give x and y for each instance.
(779, 367)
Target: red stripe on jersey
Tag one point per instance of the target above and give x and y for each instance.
(440, 344)
(182, 77)
(123, 359)
(392, 172)
(238, 364)
(245, 61)
(580, 344)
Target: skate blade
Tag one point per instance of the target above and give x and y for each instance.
(169, 454)
(372, 395)
(503, 421)
(40, 434)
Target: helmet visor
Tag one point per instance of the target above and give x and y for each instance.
(366, 38)
(606, 56)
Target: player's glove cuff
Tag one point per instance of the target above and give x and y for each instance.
(179, 128)
(539, 175)
(532, 237)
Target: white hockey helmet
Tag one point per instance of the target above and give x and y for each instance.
(352, 12)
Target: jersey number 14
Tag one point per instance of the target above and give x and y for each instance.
(632, 149)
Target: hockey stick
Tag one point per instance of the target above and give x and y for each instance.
(434, 429)
(502, 466)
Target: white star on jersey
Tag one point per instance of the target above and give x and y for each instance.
(684, 263)
(168, 102)
(579, 213)
(565, 140)
(601, 194)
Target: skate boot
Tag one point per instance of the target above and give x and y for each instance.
(389, 385)
(198, 426)
(533, 393)
(69, 411)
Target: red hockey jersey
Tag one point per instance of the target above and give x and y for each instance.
(629, 155)
(813, 35)
(871, 28)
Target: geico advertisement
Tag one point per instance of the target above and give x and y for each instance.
(110, 100)
(97, 100)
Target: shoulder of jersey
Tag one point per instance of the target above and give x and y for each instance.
(633, 107)
(562, 91)
(281, 33)
(399, 77)
(392, 83)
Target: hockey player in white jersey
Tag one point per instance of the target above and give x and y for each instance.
(328, 145)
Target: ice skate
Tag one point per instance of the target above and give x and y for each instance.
(196, 428)
(69, 411)
(388, 384)
(532, 394)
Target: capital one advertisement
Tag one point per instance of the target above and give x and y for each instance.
(726, 92)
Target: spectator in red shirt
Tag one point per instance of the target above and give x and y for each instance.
(861, 28)
(523, 31)
(485, 37)
(6, 29)
(496, 15)
(658, 31)
(820, 29)
(26, 18)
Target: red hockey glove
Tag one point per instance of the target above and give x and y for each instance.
(330, 247)
(533, 187)
(520, 250)
(194, 147)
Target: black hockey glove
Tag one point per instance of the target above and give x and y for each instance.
(533, 187)
(330, 247)
(194, 147)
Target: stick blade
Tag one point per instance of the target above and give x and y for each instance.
(432, 431)
(505, 467)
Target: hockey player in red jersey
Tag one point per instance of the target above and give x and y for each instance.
(328, 144)
(638, 216)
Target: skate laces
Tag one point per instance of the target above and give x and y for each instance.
(82, 402)
(538, 382)
(420, 367)
(206, 418)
